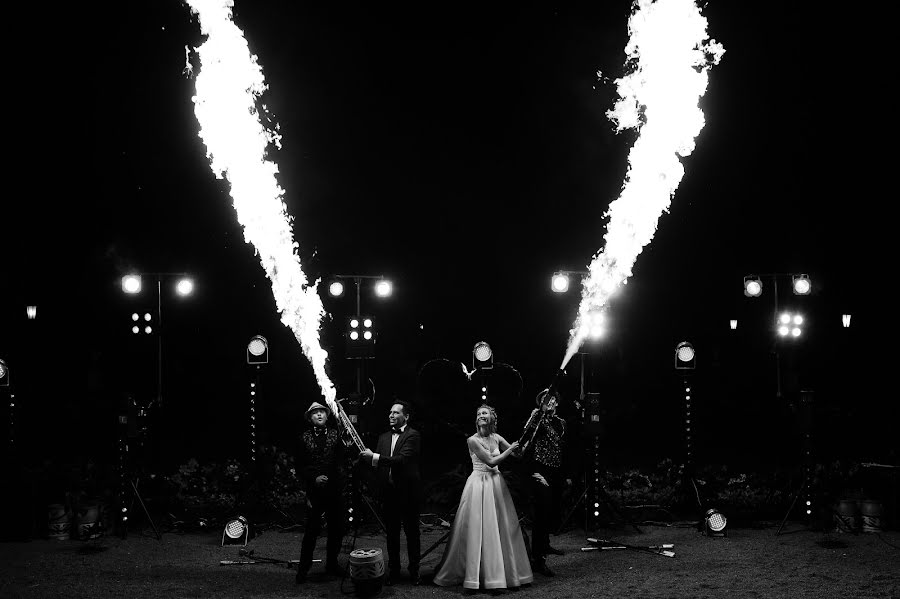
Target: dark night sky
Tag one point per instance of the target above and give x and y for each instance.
(462, 151)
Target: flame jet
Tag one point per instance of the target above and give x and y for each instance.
(228, 85)
(669, 47)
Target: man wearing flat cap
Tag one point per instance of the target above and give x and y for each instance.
(321, 456)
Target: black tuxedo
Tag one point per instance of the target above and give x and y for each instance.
(400, 483)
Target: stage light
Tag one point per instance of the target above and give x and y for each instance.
(559, 283)
(733, 324)
(4, 374)
(789, 324)
(482, 356)
(31, 312)
(336, 288)
(131, 284)
(383, 288)
(845, 320)
(685, 358)
(148, 329)
(801, 284)
(184, 287)
(135, 329)
(714, 524)
(361, 337)
(236, 532)
(752, 286)
(258, 350)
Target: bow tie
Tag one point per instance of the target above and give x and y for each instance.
(396, 430)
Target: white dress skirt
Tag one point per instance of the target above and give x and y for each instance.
(486, 549)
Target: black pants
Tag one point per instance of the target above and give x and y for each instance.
(401, 509)
(330, 502)
(546, 504)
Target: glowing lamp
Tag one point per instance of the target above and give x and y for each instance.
(336, 288)
(733, 324)
(236, 532)
(258, 350)
(685, 358)
(752, 286)
(714, 524)
(184, 287)
(801, 284)
(31, 312)
(559, 283)
(360, 337)
(383, 288)
(131, 284)
(845, 320)
(482, 356)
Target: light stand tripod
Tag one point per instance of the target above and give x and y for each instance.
(806, 426)
(130, 489)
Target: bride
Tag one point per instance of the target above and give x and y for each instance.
(486, 549)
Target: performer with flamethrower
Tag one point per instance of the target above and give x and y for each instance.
(322, 457)
(542, 467)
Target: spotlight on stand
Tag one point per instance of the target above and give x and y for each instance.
(258, 350)
(685, 358)
(559, 283)
(237, 532)
(482, 356)
(336, 288)
(714, 524)
(801, 284)
(752, 286)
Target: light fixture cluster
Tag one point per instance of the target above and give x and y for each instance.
(337, 287)
(789, 324)
(801, 284)
(361, 337)
(142, 323)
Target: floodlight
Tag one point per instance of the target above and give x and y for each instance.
(4, 374)
(482, 356)
(752, 286)
(733, 324)
(789, 324)
(31, 312)
(685, 358)
(131, 284)
(845, 320)
(236, 532)
(383, 288)
(336, 288)
(560, 282)
(714, 524)
(360, 337)
(258, 350)
(184, 287)
(801, 284)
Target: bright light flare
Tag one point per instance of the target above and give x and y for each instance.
(336, 289)
(184, 287)
(131, 284)
(559, 283)
(672, 55)
(229, 83)
(383, 288)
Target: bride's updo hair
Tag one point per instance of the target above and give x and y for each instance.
(492, 427)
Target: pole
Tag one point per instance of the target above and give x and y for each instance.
(775, 351)
(159, 342)
(358, 281)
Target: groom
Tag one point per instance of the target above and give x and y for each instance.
(397, 462)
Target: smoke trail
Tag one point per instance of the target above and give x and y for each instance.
(228, 85)
(669, 47)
